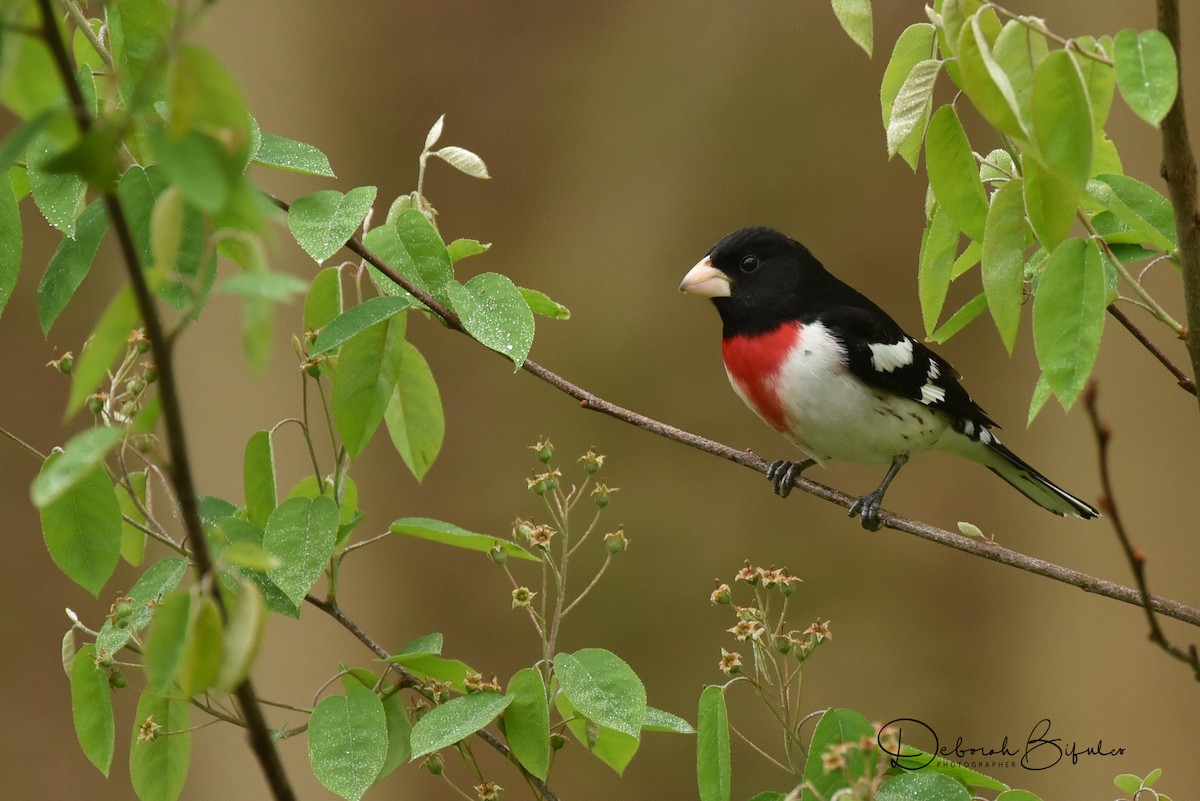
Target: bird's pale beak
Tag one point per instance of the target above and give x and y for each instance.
(706, 280)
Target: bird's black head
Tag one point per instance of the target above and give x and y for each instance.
(758, 278)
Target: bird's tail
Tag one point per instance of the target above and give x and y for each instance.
(985, 448)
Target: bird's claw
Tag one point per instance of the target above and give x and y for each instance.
(867, 508)
(782, 475)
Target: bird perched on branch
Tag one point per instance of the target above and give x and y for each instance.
(839, 378)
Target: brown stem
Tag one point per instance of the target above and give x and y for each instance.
(1181, 378)
(1136, 559)
(181, 471)
(1179, 171)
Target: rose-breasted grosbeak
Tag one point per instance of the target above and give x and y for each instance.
(834, 374)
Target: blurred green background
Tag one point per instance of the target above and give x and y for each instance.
(624, 138)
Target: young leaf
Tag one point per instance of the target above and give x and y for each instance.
(399, 733)
(203, 650)
(82, 453)
(425, 645)
(983, 79)
(288, 154)
(460, 249)
(425, 667)
(603, 688)
(435, 132)
(543, 304)
(966, 313)
(356, 319)
(146, 595)
(914, 45)
(925, 786)
(953, 174)
(910, 113)
(495, 314)
(1147, 74)
(70, 264)
(168, 641)
(197, 165)
(1050, 202)
(1068, 317)
(301, 532)
(243, 635)
(1146, 213)
(107, 342)
(414, 415)
(258, 478)
(855, 18)
(1062, 118)
(82, 527)
(323, 221)
(1003, 260)
(158, 761)
(272, 287)
(935, 262)
(1041, 394)
(527, 721)
(367, 370)
(463, 160)
(450, 534)
(91, 709)
(712, 746)
(323, 303)
(10, 242)
(58, 195)
(455, 720)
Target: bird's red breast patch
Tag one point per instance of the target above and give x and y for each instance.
(753, 361)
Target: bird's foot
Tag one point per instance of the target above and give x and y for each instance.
(867, 508)
(782, 473)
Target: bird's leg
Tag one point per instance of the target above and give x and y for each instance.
(868, 505)
(782, 473)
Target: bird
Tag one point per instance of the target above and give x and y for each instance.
(838, 377)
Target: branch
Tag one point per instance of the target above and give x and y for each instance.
(1136, 559)
(987, 550)
(181, 471)
(1179, 171)
(1181, 378)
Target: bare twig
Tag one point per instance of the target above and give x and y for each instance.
(1135, 557)
(181, 471)
(1179, 171)
(1181, 378)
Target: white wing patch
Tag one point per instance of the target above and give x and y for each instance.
(886, 358)
(932, 393)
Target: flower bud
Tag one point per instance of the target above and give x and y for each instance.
(592, 462)
(150, 372)
(557, 741)
(117, 680)
(544, 450)
(435, 765)
(601, 492)
(498, 555)
(139, 341)
(96, 401)
(615, 541)
(64, 364)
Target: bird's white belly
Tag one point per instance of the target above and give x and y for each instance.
(831, 414)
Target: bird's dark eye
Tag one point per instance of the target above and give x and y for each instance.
(749, 264)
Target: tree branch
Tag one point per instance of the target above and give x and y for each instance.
(1136, 559)
(181, 471)
(1179, 171)
(1181, 378)
(987, 550)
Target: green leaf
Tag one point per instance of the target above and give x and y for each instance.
(158, 764)
(1068, 317)
(983, 78)
(953, 174)
(58, 195)
(1025, 795)
(421, 256)
(204, 651)
(168, 642)
(197, 165)
(1041, 394)
(1003, 260)
(613, 748)
(450, 671)
(258, 478)
(855, 19)
(347, 742)
(10, 242)
(414, 414)
(1050, 202)
(367, 370)
(70, 264)
(1142, 211)
(204, 96)
(301, 532)
(914, 45)
(1147, 73)
(82, 527)
(495, 314)
(323, 221)
(712, 746)
(1099, 78)
(914, 759)
(450, 534)
(250, 556)
(138, 29)
(282, 153)
(146, 595)
(107, 342)
(273, 287)
(133, 539)
(527, 721)
(92, 710)
(425, 645)
(835, 727)
(455, 720)
(80, 456)
(324, 301)
(658, 720)
(603, 688)
(399, 734)
(936, 260)
(910, 113)
(540, 303)
(923, 786)
(1017, 52)
(966, 313)
(460, 249)
(241, 533)
(357, 319)
(32, 84)
(1062, 118)
(462, 160)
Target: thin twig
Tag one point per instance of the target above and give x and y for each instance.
(181, 470)
(747, 458)
(1136, 559)
(1181, 378)
(25, 445)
